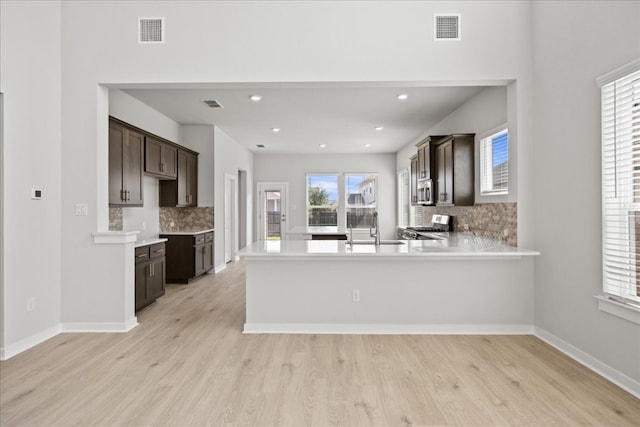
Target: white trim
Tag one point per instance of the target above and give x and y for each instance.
(386, 329)
(618, 73)
(28, 342)
(618, 378)
(100, 326)
(114, 237)
(619, 309)
(219, 268)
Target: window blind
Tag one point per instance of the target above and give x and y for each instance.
(621, 186)
(494, 163)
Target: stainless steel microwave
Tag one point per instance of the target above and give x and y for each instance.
(425, 192)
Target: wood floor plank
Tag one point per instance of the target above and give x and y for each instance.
(188, 364)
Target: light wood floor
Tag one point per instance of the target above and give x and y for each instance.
(188, 363)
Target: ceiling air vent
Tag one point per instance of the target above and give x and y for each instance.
(447, 27)
(213, 103)
(150, 30)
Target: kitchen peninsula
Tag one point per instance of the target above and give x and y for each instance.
(459, 283)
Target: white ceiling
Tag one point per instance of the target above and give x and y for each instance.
(342, 116)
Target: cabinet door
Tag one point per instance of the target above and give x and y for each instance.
(444, 164)
(141, 285)
(200, 259)
(424, 159)
(160, 158)
(169, 159)
(414, 180)
(116, 144)
(208, 256)
(156, 278)
(182, 178)
(153, 156)
(192, 179)
(132, 167)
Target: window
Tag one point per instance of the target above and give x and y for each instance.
(341, 199)
(322, 200)
(621, 185)
(494, 164)
(361, 195)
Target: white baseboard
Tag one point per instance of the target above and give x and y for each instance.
(385, 329)
(28, 342)
(219, 268)
(100, 326)
(602, 369)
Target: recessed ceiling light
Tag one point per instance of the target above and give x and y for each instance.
(275, 129)
(367, 145)
(323, 145)
(402, 96)
(379, 128)
(255, 98)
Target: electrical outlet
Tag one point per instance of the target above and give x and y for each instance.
(31, 304)
(355, 295)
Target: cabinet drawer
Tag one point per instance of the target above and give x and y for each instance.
(142, 254)
(157, 250)
(199, 239)
(208, 237)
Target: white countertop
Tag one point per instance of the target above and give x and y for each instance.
(149, 241)
(301, 229)
(453, 246)
(185, 232)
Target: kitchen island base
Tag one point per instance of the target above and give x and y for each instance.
(427, 295)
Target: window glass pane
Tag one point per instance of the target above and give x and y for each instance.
(361, 200)
(494, 164)
(322, 200)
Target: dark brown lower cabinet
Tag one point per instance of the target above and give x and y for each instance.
(150, 274)
(189, 256)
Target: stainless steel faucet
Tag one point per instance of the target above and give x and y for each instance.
(375, 226)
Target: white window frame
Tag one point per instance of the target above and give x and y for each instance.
(486, 160)
(501, 197)
(619, 193)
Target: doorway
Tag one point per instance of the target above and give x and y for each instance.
(230, 217)
(273, 210)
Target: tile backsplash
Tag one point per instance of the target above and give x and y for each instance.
(495, 220)
(115, 219)
(183, 219)
(186, 218)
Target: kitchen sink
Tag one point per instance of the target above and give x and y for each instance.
(382, 242)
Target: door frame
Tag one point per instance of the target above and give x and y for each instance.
(270, 185)
(230, 228)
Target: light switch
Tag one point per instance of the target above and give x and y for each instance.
(82, 209)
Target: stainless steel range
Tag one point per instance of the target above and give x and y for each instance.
(439, 224)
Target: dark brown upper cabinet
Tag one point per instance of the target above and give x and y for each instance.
(125, 165)
(160, 158)
(454, 170)
(414, 180)
(426, 159)
(183, 191)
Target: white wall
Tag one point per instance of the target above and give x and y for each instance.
(293, 168)
(30, 73)
(229, 157)
(200, 138)
(571, 49)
